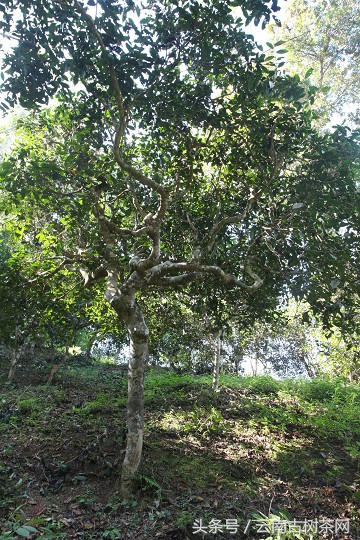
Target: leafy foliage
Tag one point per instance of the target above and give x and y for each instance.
(175, 154)
(272, 160)
(322, 40)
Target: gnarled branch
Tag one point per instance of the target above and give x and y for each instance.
(164, 269)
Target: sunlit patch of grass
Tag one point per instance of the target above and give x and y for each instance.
(295, 459)
(199, 471)
(263, 384)
(104, 403)
(172, 421)
(200, 420)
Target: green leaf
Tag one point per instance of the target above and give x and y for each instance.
(308, 73)
(26, 531)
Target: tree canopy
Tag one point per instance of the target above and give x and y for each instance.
(175, 154)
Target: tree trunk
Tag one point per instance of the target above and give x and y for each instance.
(32, 351)
(124, 304)
(239, 357)
(308, 368)
(217, 354)
(16, 353)
(13, 364)
(90, 344)
(254, 368)
(56, 367)
(139, 354)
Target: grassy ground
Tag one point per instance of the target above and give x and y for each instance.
(286, 448)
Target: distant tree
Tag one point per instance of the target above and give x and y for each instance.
(194, 331)
(323, 41)
(340, 358)
(295, 342)
(286, 345)
(183, 158)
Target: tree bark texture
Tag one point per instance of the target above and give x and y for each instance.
(217, 355)
(138, 359)
(129, 312)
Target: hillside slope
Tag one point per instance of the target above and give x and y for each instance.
(258, 447)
